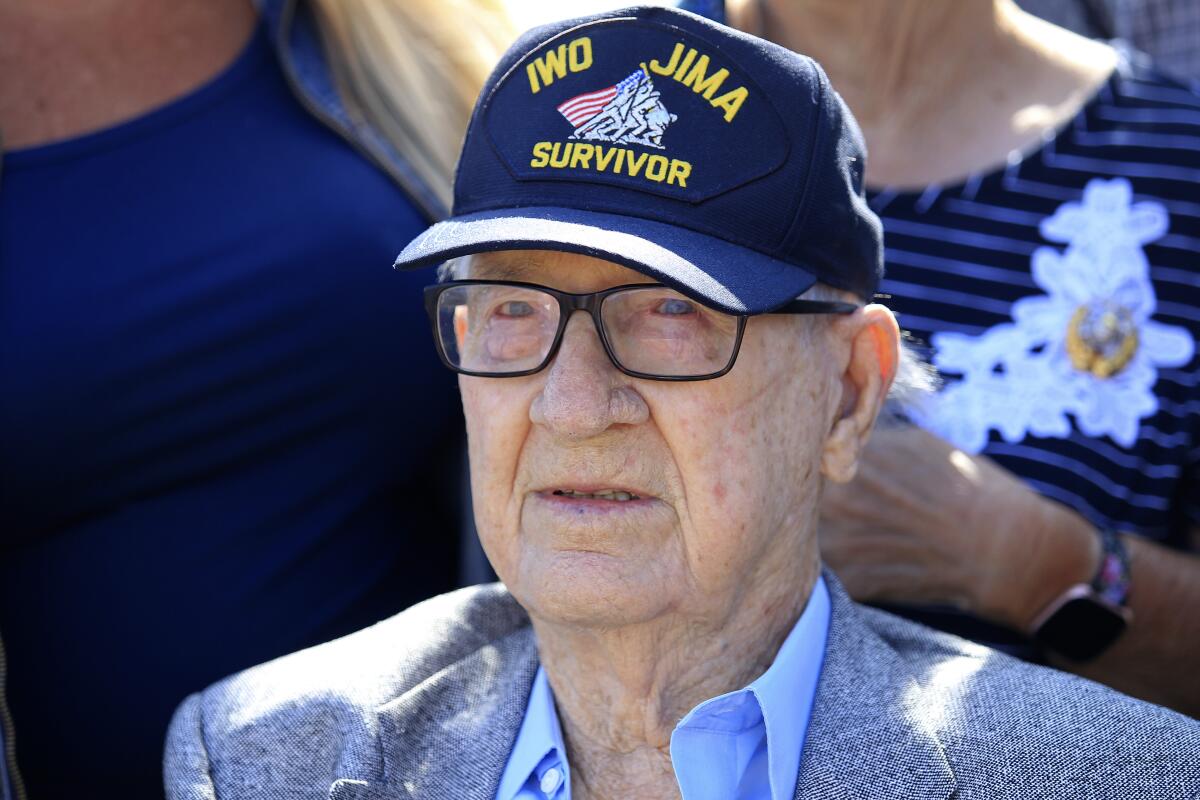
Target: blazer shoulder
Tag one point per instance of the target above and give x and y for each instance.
(1019, 719)
(306, 711)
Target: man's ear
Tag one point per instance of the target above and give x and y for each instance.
(874, 341)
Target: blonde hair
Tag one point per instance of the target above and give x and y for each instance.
(411, 70)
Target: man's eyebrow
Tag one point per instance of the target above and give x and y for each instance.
(501, 271)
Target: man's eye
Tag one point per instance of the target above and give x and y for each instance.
(514, 308)
(675, 307)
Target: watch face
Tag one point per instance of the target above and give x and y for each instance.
(1081, 629)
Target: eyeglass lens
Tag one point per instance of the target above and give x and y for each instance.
(498, 329)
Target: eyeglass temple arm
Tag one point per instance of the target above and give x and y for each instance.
(817, 307)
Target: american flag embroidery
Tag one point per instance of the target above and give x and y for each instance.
(582, 107)
(629, 112)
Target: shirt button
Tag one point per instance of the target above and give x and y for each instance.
(551, 778)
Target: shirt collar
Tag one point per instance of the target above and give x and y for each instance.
(786, 691)
(784, 695)
(776, 706)
(539, 742)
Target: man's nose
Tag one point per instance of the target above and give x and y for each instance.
(585, 394)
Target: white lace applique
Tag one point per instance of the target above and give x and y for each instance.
(1087, 348)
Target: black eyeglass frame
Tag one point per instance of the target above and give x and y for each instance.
(591, 303)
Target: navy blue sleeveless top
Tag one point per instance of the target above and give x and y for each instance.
(226, 435)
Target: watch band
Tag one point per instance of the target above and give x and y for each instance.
(1113, 576)
(1084, 621)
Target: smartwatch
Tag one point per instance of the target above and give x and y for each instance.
(1086, 619)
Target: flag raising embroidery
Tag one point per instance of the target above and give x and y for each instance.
(581, 108)
(630, 112)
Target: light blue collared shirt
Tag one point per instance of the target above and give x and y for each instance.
(744, 745)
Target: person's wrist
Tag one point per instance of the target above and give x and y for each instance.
(1060, 551)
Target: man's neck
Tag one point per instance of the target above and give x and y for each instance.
(941, 88)
(620, 692)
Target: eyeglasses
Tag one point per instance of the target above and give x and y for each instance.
(505, 329)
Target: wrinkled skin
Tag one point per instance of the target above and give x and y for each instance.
(924, 522)
(731, 464)
(645, 608)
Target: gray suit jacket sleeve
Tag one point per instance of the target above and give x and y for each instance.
(185, 764)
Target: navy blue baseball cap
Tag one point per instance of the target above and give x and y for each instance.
(713, 161)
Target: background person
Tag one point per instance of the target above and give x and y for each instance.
(649, 494)
(1029, 182)
(209, 456)
(1166, 30)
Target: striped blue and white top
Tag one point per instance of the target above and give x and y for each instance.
(1061, 297)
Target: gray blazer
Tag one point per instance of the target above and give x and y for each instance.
(427, 705)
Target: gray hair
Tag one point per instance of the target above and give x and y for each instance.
(455, 269)
(916, 379)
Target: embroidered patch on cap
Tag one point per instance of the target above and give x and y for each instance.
(640, 105)
(631, 112)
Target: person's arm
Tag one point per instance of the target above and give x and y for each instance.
(926, 523)
(1158, 656)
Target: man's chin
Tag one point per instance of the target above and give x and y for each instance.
(590, 589)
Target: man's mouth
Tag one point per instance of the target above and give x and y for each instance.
(601, 494)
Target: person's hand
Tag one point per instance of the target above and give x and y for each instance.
(924, 522)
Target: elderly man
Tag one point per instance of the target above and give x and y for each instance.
(646, 477)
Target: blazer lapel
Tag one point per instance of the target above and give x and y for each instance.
(866, 737)
(450, 736)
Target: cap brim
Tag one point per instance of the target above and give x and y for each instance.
(718, 273)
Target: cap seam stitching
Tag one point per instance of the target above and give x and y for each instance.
(801, 215)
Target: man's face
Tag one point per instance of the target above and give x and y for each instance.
(724, 471)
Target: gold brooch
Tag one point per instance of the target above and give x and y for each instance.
(1101, 338)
